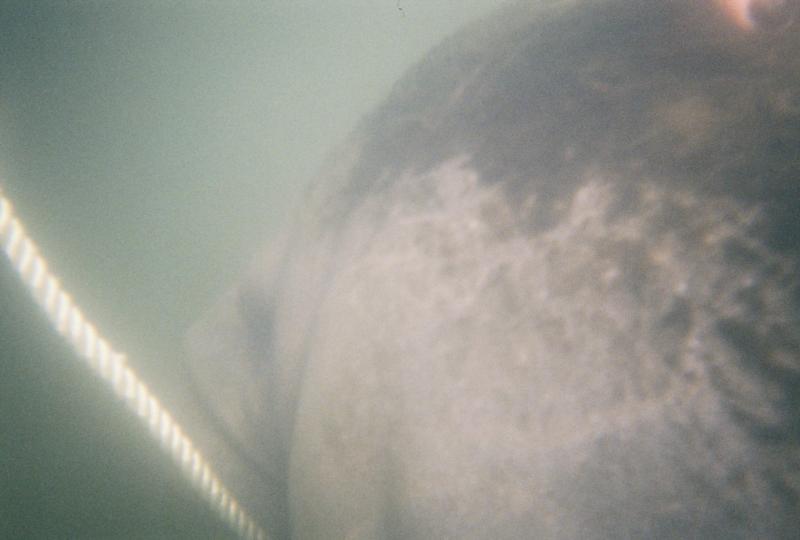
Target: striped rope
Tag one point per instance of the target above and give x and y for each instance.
(111, 366)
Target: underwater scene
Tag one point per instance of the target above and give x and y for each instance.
(400, 269)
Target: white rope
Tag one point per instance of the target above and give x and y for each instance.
(112, 367)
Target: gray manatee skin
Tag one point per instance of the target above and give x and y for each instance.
(548, 290)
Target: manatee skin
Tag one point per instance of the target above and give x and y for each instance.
(548, 290)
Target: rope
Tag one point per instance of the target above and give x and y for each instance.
(111, 366)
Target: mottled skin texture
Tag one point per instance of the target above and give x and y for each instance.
(548, 290)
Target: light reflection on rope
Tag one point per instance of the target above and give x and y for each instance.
(111, 366)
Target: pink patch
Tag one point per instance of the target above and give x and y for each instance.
(739, 12)
(749, 14)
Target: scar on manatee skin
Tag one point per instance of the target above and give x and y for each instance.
(751, 15)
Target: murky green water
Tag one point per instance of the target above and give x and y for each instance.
(151, 147)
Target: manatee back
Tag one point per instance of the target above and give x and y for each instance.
(559, 288)
(548, 290)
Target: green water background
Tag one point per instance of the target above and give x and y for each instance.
(151, 147)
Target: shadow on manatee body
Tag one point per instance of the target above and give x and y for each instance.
(548, 290)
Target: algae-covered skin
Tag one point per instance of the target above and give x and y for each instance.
(548, 290)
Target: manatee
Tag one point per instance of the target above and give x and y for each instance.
(549, 289)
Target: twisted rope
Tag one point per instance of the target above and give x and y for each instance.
(111, 366)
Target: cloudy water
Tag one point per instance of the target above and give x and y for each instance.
(151, 148)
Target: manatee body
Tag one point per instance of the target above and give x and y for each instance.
(548, 290)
